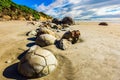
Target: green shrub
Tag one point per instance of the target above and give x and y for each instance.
(36, 16)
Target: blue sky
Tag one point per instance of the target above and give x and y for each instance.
(77, 9)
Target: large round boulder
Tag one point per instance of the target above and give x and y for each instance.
(44, 30)
(67, 20)
(37, 62)
(45, 40)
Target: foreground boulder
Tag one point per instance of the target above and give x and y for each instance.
(37, 62)
(45, 40)
(67, 20)
(103, 24)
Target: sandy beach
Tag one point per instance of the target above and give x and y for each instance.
(96, 58)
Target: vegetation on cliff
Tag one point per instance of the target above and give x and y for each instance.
(15, 11)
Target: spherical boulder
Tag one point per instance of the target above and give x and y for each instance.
(67, 20)
(37, 62)
(44, 30)
(45, 40)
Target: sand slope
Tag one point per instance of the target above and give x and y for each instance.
(97, 58)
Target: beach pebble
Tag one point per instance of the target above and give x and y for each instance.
(58, 30)
(32, 33)
(8, 61)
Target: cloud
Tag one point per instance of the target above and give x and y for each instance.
(84, 9)
(109, 10)
(53, 5)
(74, 2)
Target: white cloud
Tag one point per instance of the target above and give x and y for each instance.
(86, 17)
(74, 1)
(77, 7)
(108, 10)
(73, 13)
(42, 7)
(53, 5)
(81, 8)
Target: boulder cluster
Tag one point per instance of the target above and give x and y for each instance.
(65, 22)
(40, 62)
(46, 33)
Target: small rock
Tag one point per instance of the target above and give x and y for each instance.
(32, 33)
(58, 30)
(63, 30)
(8, 61)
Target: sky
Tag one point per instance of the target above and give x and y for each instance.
(77, 9)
